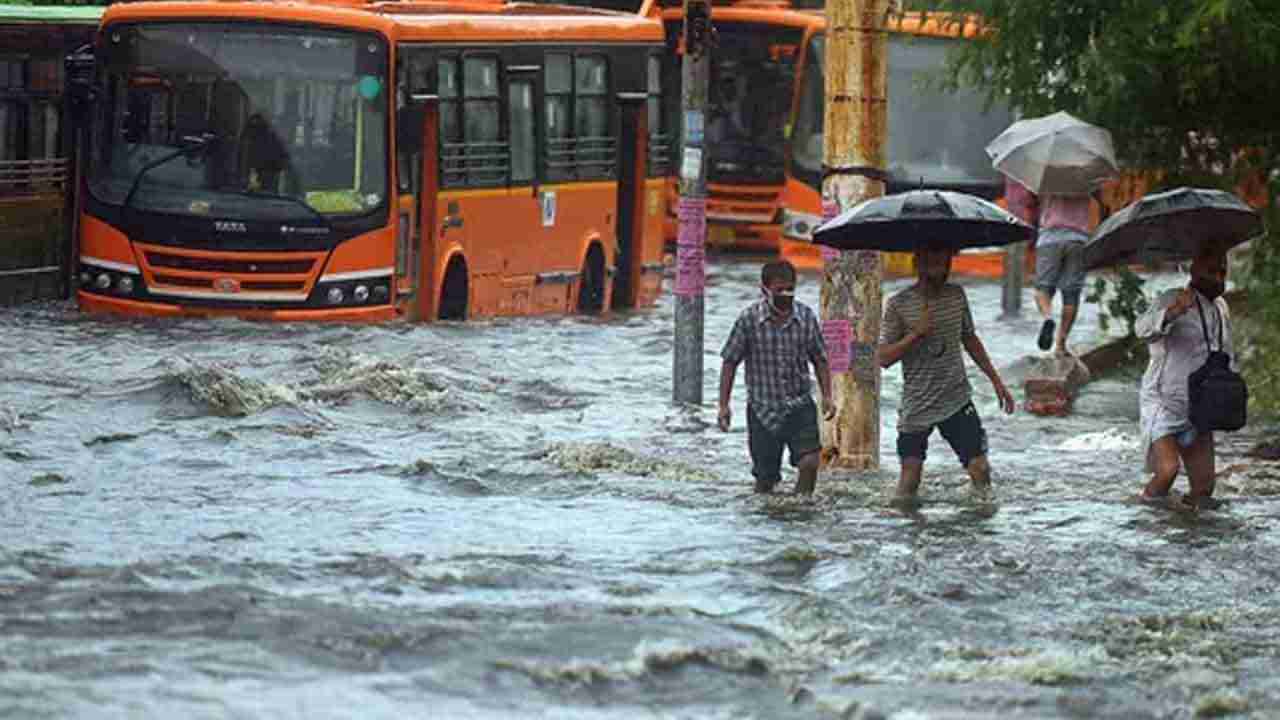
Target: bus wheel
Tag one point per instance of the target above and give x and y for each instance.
(453, 297)
(591, 291)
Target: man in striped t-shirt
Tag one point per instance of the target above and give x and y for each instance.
(925, 326)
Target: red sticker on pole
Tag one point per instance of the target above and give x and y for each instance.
(690, 246)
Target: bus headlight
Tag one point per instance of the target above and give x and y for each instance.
(110, 281)
(362, 291)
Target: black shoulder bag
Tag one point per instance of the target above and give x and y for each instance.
(1218, 395)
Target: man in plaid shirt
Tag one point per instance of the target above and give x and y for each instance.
(778, 338)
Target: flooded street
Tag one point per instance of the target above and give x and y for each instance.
(509, 519)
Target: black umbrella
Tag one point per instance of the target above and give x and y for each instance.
(937, 218)
(1172, 226)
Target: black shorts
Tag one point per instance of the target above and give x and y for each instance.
(798, 433)
(963, 431)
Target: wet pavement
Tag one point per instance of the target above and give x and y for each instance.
(510, 519)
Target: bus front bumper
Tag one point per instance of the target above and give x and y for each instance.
(101, 305)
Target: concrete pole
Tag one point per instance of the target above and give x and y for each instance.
(692, 213)
(1015, 258)
(855, 145)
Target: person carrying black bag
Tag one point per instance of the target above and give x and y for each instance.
(1188, 331)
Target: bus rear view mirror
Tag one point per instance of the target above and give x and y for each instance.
(79, 90)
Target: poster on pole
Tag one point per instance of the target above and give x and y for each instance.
(693, 127)
(837, 335)
(690, 246)
(863, 362)
(691, 166)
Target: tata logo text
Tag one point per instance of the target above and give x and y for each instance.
(226, 285)
(229, 226)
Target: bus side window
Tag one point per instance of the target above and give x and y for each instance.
(482, 122)
(658, 141)
(451, 148)
(596, 155)
(559, 102)
(520, 108)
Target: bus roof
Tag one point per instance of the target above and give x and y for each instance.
(416, 20)
(523, 22)
(936, 24)
(782, 12)
(51, 14)
(763, 13)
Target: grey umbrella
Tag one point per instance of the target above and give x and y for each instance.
(903, 221)
(1172, 226)
(1057, 153)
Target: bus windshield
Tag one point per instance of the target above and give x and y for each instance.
(935, 137)
(752, 76)
(294, 122)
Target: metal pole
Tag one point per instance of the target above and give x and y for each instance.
(856, 120)
(691, 241)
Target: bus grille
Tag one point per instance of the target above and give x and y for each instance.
(228, 265)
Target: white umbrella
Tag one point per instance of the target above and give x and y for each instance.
(1058, 153)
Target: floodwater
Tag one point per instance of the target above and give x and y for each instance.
(509, 519)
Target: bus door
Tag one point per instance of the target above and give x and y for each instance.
(417, 237)
(633, 144)
(526, 199)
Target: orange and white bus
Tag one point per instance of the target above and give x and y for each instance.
(367, 161)
(936, 139)
(749, 104)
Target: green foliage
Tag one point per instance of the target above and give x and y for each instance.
(1181, 84)
(1260, 278)
(1126, 303)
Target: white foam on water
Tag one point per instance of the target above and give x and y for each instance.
(1110, 439)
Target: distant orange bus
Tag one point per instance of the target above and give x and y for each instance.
(367, 161)
(749, 104)
(936, 139)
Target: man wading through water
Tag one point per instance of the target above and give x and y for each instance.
(924, 326)
(778, 338)
(1178, 329)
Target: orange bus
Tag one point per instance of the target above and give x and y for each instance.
(749, 103)
(33, 42)
(367, 161)
(936, 139)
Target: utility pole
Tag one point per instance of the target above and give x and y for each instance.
(1024, 206)
(854, 156)
(1015, 257)
(692, 213)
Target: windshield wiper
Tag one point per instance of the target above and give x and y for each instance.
(193, 145)
(290, 198)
